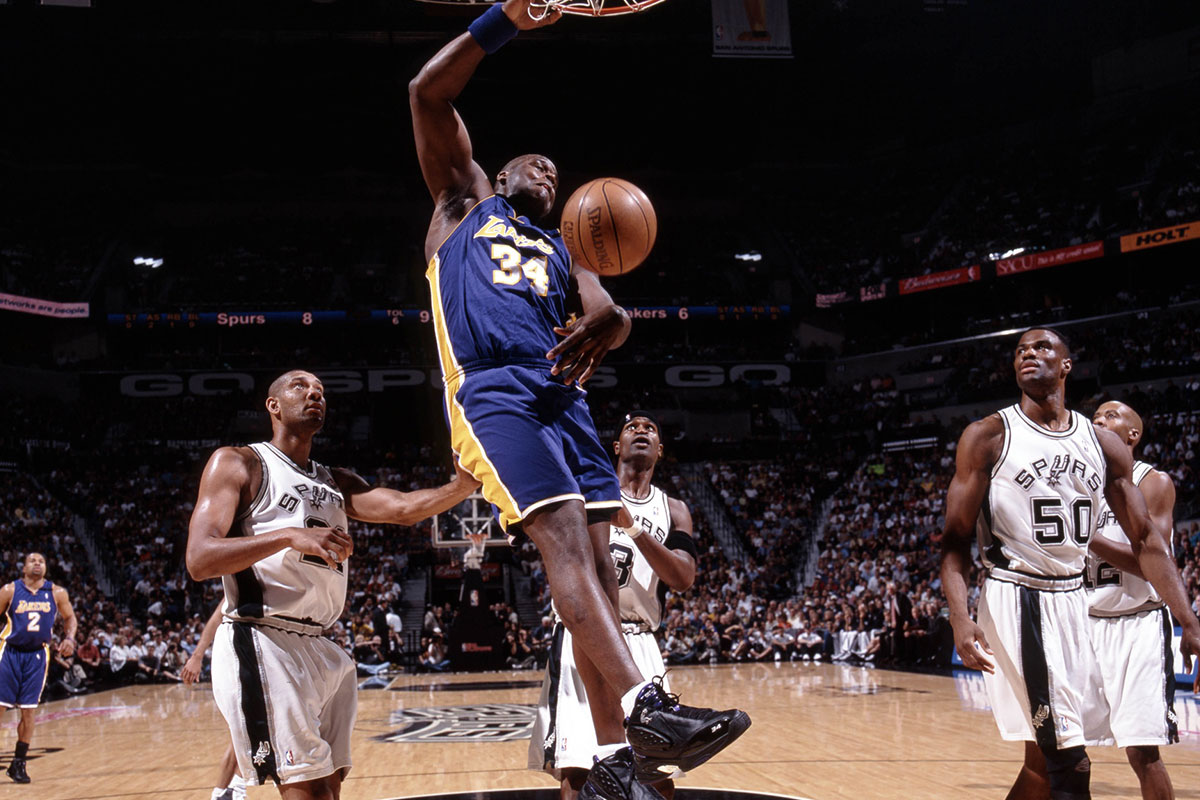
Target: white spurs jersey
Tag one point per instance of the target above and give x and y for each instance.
(1111, 592)
(1041, 507)
(641, 592)
(289, 589)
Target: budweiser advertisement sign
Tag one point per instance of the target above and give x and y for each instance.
(937, 280)
(1049, 258)
(1160, 236)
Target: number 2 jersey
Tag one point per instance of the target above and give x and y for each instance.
(289, 589)
(499, 287)
(29, 618)
(1040, 509)
(1111, 592)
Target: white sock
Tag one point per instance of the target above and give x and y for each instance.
(629, 698)
(603, 751)
(237, 781)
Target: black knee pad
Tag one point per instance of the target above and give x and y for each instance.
(1070, 773)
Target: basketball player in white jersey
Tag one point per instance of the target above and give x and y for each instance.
(273, 524)
(1028, 482)
(655, 553)
(1131, 629)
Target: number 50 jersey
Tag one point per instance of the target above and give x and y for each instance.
(1040, 509)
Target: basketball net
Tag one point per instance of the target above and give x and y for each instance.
(538, 9)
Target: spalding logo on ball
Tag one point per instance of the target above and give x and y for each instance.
(609, 226)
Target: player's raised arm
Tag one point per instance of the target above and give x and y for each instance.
(224, 490)
(603, 326)
(378, 504)
(443, 145)
(977, 451)
(1150, 545)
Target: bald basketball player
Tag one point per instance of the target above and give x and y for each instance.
(1131, 628)
(513, 367)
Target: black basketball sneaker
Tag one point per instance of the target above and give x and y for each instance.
(16, 771)
(613, 778)
(667, 736)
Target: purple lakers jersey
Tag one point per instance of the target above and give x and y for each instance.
(30, 616)
(499, 286)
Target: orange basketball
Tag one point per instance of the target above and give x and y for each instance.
(609, 226)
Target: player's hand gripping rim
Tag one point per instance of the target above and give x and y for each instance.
(588, 340)
(971, 644)
(518, 12)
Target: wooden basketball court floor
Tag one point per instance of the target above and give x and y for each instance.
(821, 731)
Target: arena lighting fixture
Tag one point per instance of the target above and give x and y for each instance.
(152, 263)
(1016, 251)
(753, 255)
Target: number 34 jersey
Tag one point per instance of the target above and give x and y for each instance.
(499, 286)
(1112, 593)
(289, 589)
(1041, 507)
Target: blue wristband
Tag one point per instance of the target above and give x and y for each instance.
(492, 29)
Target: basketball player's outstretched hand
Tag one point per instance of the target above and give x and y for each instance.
(1189, 646)
(588, 340)
(191, 670)
(971, 644)
(518, 12)
(330, 544)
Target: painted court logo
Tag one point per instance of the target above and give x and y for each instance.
(490, 722)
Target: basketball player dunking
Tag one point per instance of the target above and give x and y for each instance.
(30, 606)
(518, 418)
(655, 553)
(272, 522)
(1131, 629)
(1029, 481)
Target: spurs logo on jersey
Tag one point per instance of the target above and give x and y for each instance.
(1043, 500)
(289, 589)
(641, 593)
(1112, 593)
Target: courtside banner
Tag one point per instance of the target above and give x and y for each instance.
(938, 280)
(1049, 258)
(45, 308)
(1160, 236)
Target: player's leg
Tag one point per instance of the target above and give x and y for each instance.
(561, 534)
(1032, 781)
(327, 788)
(229, 783)
(1151, 772)
(604, 702)
(572, 781)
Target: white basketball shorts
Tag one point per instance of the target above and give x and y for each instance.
(1044, 665)
(564, 735)
(1137, 676)
(290, 701)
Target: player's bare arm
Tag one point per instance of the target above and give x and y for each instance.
(6, 596)
(191, 670)
(379, 504)
(1150, 545)
(444, 150)
(675, 568)
(66, 613)
(978, 449)
(1158, 490)
(225, 489)
(603, 326)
